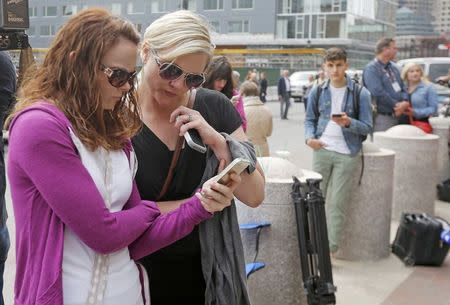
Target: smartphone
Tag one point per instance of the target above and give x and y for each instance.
(194, 140)
(237, 166)
(337, 115)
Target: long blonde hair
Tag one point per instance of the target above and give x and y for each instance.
(72, 84)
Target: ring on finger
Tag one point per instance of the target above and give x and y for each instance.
(189, 117)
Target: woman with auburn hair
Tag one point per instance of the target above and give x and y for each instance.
(207, 266)
(80, 222)
(219, 77)
(423, 97)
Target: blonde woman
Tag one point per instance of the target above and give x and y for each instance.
(206, 267)
(423, 97)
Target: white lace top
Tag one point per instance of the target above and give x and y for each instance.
(93, 278)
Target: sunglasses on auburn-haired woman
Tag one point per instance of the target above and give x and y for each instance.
(171, 71)
(117, 77)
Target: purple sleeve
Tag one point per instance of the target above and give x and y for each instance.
(170, 227)
(240, 108)
(43, 152)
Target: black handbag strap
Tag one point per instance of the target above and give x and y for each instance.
(177, 152)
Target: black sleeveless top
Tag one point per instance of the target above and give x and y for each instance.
(175, 272)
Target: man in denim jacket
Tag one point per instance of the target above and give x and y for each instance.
(334, 131)
(382, 78)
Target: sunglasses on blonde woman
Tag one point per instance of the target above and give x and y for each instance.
(117, 77)
(171, 71)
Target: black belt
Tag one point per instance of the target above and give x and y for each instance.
(384, 113)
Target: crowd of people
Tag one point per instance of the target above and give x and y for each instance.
(341, 113)
(113, 207)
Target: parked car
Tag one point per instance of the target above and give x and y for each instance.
(434, 67)
(298, 80)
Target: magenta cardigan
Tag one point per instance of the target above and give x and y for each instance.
(51, 189)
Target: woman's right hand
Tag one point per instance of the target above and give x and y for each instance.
(215, 196)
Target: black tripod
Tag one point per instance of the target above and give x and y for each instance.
(313, 242)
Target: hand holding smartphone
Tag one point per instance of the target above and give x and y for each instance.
(237, 166)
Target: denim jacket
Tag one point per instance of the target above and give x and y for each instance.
(377, 79)
(315, 125)
(424, 101)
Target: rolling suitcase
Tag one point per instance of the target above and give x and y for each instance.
(418, 240)
(313, 242)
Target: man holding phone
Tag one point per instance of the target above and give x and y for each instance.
(338, 115)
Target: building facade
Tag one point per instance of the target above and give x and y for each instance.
(249, 24)
(441, 14)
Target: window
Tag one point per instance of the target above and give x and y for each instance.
(31, 31)
(49, 11)
(32, 11)
(47, 30)
(291, 6)
(238, 26)
(158, 6)
(135, 7)
(213, 5)
(116, 8)
(242, 4)
(188, 5)
(286, 27)
(138, 27)
(69, 10)
(215, 26)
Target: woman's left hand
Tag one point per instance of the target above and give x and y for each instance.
(187, 118)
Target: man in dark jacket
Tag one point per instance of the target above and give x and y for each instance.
(7, 92)
(284, 93)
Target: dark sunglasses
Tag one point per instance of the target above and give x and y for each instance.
(171, 71)
(118, 77)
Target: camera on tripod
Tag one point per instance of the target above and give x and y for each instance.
(14, 20)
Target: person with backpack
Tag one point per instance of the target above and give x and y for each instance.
(338, 119)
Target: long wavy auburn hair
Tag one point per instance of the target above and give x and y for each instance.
(72, 84)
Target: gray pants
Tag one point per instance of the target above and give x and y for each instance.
(284, 105)
(384, 122)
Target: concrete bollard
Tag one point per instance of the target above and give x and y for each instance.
(368, 214)
(280, 282)
(440, 128)
(415, 170)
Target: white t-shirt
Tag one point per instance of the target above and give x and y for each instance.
(288, 84)
(332, 136)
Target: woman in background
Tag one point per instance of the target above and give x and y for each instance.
(219, 78)
(259, 118)
(423, 97)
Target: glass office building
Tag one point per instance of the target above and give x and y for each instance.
(256, 24)
(353, 24)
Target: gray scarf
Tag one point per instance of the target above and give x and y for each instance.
(222, 253)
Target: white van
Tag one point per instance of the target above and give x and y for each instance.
(433, 67)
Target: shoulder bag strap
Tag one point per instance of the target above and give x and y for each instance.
(176, 153)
